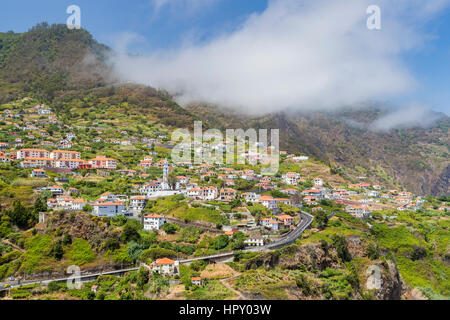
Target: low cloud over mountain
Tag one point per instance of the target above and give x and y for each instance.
(411, 116)
(296, 54)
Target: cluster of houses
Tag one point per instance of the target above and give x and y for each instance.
(41, 159)
(358, 199)
(64, 159)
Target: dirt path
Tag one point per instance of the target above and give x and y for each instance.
(176, 293)
(7, 242)
(226, 283)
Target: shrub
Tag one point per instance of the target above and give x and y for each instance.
(169, 228)
(156, 253)
(112, 244)
(81, 252)
(341, 245)
(130, 233)
(221, 242)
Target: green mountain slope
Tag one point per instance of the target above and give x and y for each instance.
(416, 158)
(67, 68)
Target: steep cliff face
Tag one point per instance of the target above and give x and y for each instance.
(442, 184)
(81, 225)
(322, 269)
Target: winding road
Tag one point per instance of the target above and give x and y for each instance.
(306, 220)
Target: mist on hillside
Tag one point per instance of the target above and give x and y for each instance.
(298, 55)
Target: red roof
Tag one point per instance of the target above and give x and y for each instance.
(164, 261)
(153, 216)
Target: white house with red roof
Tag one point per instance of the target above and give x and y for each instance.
(137, 203)
(268, 201)
(166, 267)
(290, 191)
(56, 190)
(358, 211)
(65, 154)
(153, 222)
(291, 178)
(78, 204)
(194, 192)
(316, 194)
(150, 187)
(32, 153)
(209, 193)
(52, 203)
(108, 196)
(283, 201)
(254, 241)
(227, 193)
(251, 197)
(270, 223)
(4, 159)
(286, 219)
(38, 173)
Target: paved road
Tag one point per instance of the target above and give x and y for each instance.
(305, 222)
(332, 215)
(288, 240)
(83, 278)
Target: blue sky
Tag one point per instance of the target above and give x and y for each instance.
(105, 19)
(171, 25)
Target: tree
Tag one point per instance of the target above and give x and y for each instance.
(142, 278)
(40, 206)
(57, 250)
(172, 180)
(130, 233)
(119, 220)
(134, 251)
(169, 228)
(372, 251)
(221, 242)
(87, 208)
(148, 239)
(290, 210)
(321, 219)
(341, 245)
(277, 194)
(198, 265)
(238, 244)
(236, 203)
(305, 286)
(53, 286)
(418, 253)
(22, 216)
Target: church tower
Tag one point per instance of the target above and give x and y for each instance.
(166, 176)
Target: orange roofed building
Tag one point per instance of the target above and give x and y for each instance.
(102, 162)
(166, 267)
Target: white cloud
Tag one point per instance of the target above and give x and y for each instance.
(296, 54)
(415, 115)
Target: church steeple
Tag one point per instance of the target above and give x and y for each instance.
(166, 176)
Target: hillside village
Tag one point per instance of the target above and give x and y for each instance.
(96, 167)
(51, 158)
